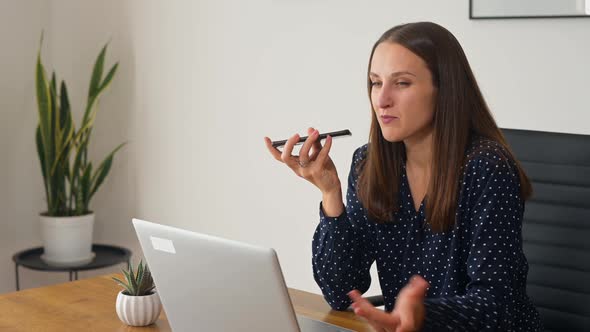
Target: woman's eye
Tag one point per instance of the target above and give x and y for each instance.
(404, 84)
(375, 83)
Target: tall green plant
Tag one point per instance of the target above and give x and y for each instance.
(69, 178)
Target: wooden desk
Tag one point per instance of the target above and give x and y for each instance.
(89, 305)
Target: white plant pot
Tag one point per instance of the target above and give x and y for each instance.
(67, 241)
(138, 310)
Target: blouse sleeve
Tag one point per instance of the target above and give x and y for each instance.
(342, 250)
(495, 261)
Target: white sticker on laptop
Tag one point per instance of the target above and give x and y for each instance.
(163, 244)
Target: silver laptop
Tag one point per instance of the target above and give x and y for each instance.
(212, 284)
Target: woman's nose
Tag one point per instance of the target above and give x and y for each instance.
(384, 98)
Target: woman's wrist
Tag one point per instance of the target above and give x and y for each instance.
(332, 203)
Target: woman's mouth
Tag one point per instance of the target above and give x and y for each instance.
(388, 118)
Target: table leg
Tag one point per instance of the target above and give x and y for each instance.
(76, 275)
(71, 274)
(17, 277)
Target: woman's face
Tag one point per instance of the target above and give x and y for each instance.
(402, 93)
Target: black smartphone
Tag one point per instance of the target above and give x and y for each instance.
(339, 133)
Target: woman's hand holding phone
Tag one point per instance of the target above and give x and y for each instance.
(315, 165)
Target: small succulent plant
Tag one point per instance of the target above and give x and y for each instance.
(137, 284)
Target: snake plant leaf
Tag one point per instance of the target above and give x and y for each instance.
(44, 109)
(79, 139)
(66, 125)
(97, 72)
(95, 81)
(53, 95)
(108, 78)
(67, 122)
(87, 123)
(60, 188)
(78, 158)
(40, 152)
(103, 170)
(79, 195)
(69, 178)
(83, 189)
(85, 184)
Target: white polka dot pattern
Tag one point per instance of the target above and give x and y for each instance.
(477, 270)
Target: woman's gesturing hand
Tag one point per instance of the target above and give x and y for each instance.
(313, 162)
(407, 315)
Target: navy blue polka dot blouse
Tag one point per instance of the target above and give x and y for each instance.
(477, 270)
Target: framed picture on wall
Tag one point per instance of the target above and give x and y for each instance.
(501, 9)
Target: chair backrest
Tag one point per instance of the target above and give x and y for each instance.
(556, 226)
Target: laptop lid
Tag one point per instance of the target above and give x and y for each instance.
(208, 283)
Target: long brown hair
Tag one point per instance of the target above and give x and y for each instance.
(460, 114)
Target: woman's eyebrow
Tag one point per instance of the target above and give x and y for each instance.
(397, 73)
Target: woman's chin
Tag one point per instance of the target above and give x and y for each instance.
(392, 137)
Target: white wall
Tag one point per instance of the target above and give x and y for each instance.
(202, 82)
(21, 23)
(74, 35)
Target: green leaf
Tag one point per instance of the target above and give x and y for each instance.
(85, 184)
(139, 282)
(97, 73)
(129, 282)
(123, 284)
(108, 78)
(95, 81)
(66, 126)
(60, 191)
(119, 281)
(82, 145)
(133, 280)
(148, 281)
(44, 110)
(41, 153)
(140, 277)
(54, 115)
(65, 110)
(69, 187)
(103, 170)
(132, 290)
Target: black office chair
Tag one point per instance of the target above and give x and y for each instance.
(556, 226)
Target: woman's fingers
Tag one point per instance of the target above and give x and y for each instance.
(323, 154)
(286, 156)
(311, 167)
(376, 317)
(360, 307)
(276, 153)
(304, 157)
(379, 318)
(316, 146)
(409, 305)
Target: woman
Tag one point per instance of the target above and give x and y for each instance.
(436, 198)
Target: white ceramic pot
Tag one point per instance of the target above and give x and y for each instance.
(138, 310)
(67, 241)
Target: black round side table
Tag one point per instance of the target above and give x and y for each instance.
(106, 255)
